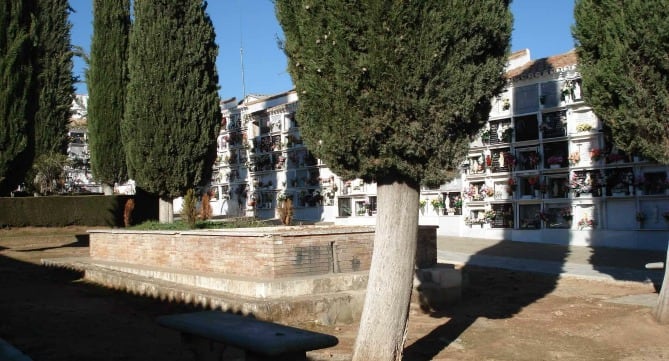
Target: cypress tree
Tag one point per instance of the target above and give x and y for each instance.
(392, 92)
(17, 93)
(54, 76)
(107, 79)
(172, 109)
(622, 48)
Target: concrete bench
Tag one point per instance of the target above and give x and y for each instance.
(655, 265)
(215, 335)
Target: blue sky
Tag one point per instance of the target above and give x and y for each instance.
(543, 26)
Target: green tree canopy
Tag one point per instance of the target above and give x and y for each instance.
(394, 90)
(17, 92)
(172, 109)
(54, 76)
(622, 48)
(107, 79)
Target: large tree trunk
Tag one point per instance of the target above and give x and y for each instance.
(165, 210)
(107, 189)
(383, 324)
(661, 310)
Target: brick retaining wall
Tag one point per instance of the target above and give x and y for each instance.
(267, 253)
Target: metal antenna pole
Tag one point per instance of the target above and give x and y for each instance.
(241, 53)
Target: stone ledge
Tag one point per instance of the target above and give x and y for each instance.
(324, 308)
(243, 286)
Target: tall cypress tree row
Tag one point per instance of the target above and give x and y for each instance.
(107, 79)
(54, 76)
(393, 91)
(17, 93)
(172, 109)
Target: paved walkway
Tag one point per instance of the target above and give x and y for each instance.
(599, 263)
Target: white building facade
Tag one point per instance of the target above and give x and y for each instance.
(541, 170)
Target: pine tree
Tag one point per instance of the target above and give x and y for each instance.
(172, 109)
(107, 79)
(17, 93)
(54, 77)
(622, 48)
(393, 92)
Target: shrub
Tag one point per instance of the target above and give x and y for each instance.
(189, 210)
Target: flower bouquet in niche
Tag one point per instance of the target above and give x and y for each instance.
(554, 161)
(486, 191)
(437, 203)
(511, 186)
(574, 158)
(534, 159)
(565, 213)
(586, 222)
(543, 216)
(583, 127)
(614, 157)
(595, 154)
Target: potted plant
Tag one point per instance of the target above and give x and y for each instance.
(640, 217)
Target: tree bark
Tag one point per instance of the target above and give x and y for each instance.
(165, 210)
(107, 189)
(383, 324)
(661, 310)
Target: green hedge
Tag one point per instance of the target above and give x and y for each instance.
(85, 210)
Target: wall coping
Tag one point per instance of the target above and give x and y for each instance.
(287, 231)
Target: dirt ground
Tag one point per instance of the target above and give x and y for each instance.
(51, 314)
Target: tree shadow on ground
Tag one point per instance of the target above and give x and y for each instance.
(51, 314)
(491, 293)
(631, 267)
(82, 241)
